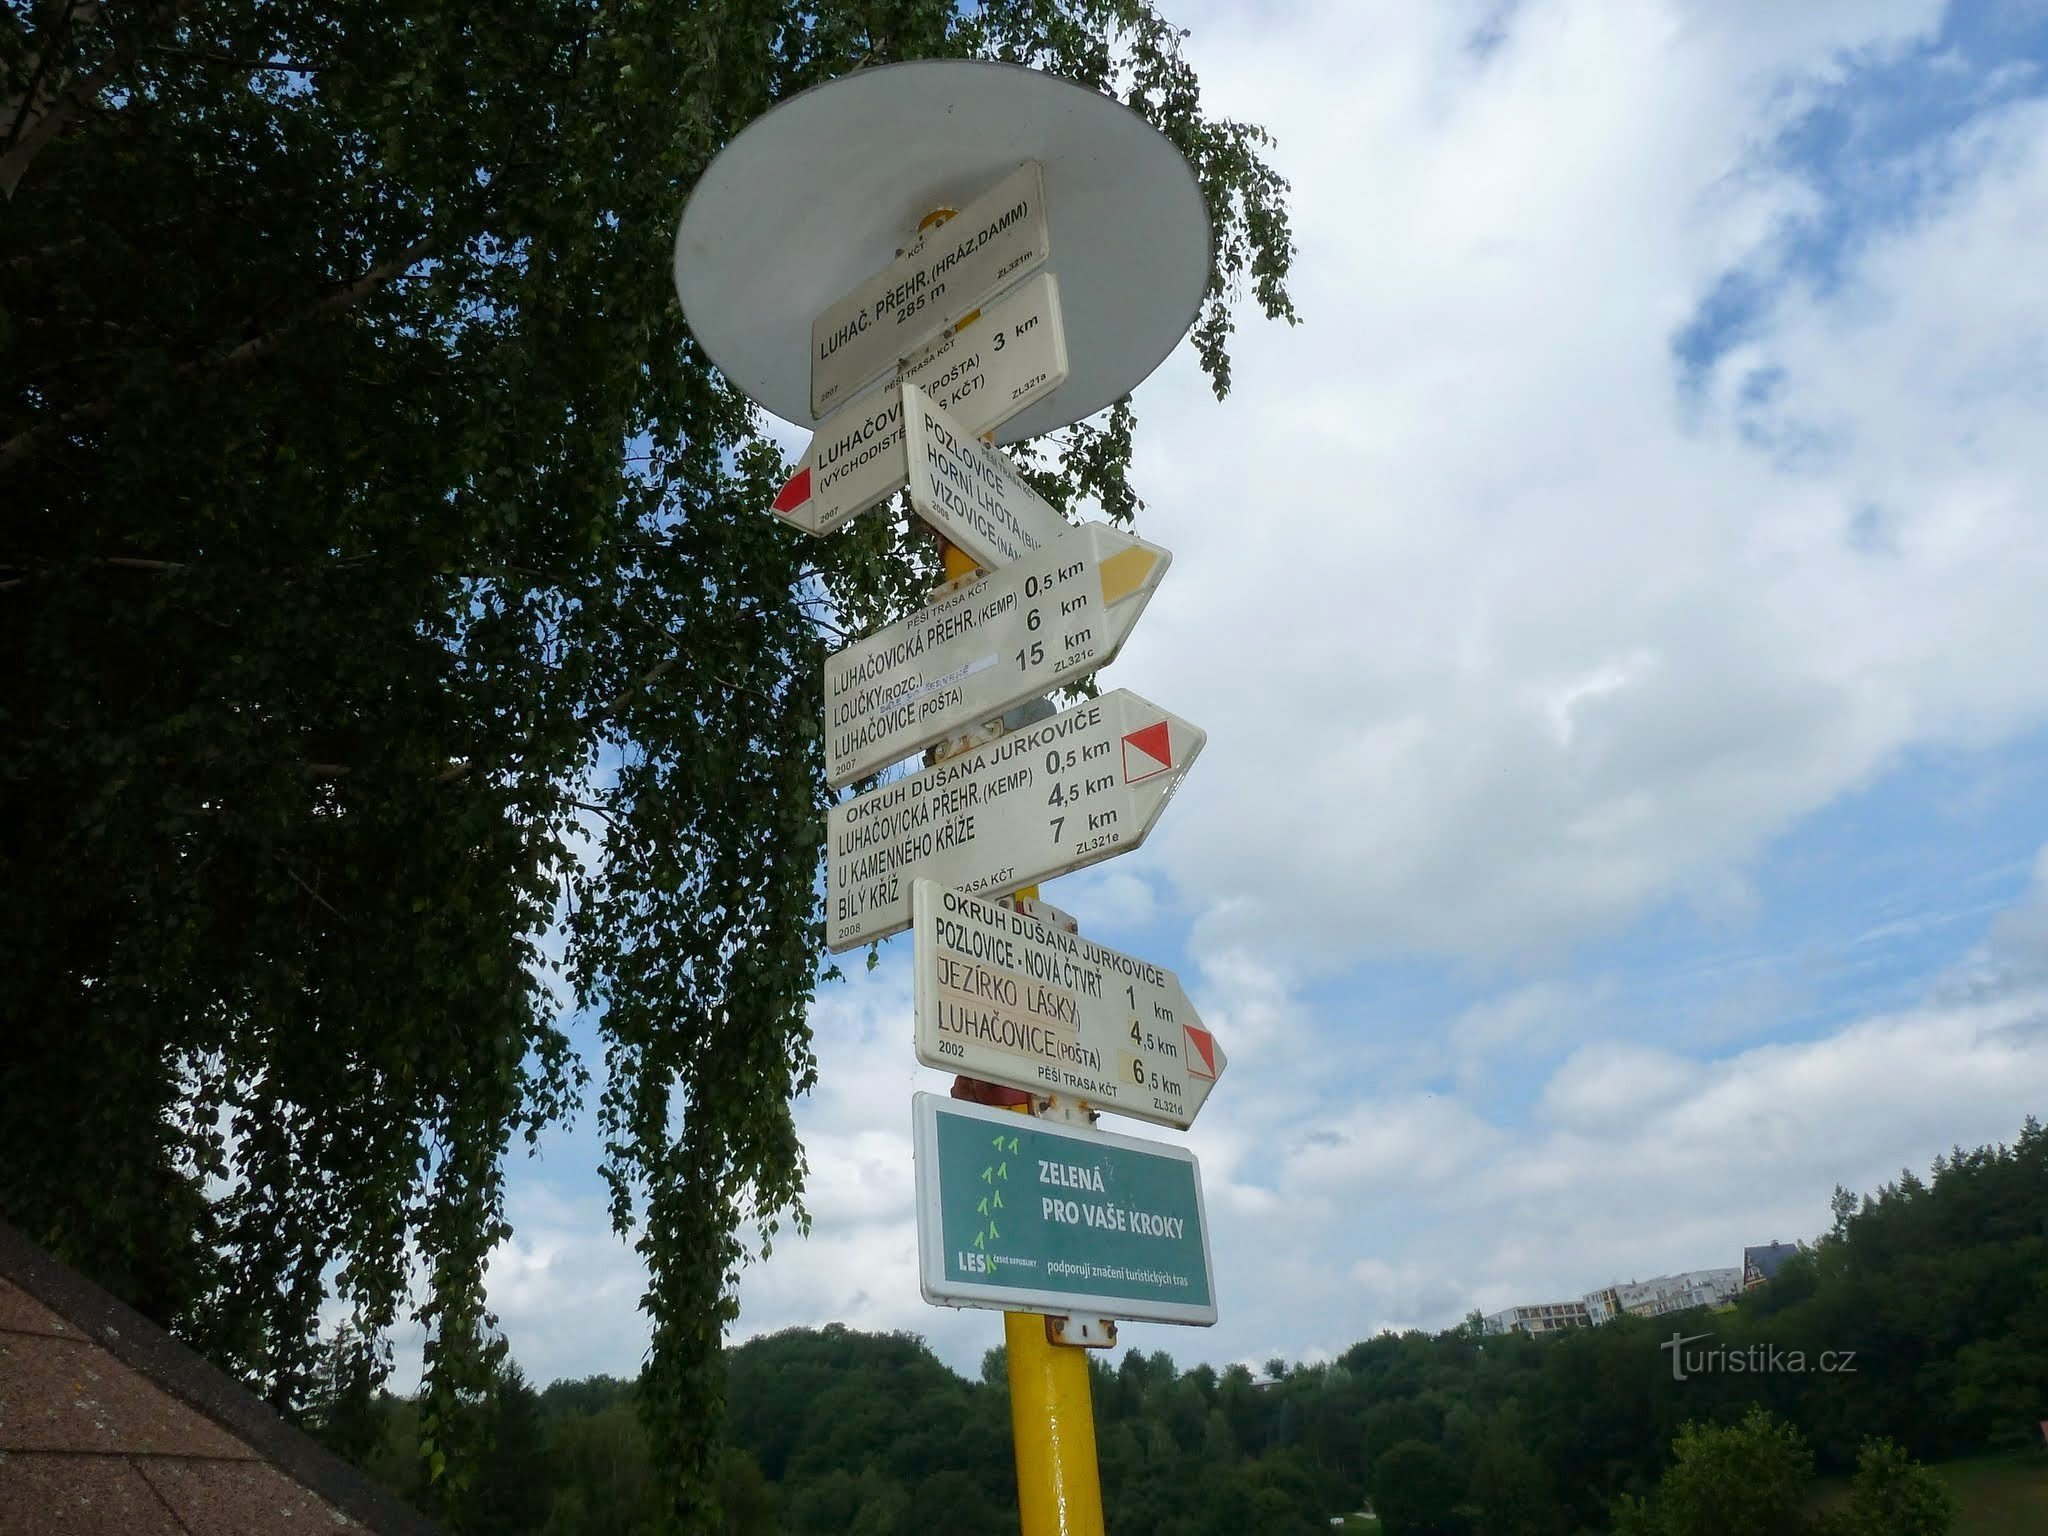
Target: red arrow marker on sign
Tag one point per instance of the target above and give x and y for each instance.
(795, 491)
(1147, 753)
(1201, 1061)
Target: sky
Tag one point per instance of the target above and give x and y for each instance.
(1618, 611)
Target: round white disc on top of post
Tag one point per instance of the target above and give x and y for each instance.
(822, 192)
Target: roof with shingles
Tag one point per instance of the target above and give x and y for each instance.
(109, 1425)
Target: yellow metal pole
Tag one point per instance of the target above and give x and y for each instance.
(1052, 1421)
(1052, 1410)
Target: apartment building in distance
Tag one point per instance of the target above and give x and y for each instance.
(1666, 1293)
(1540, 1318)
(1648, 1298)
(1639, 1298)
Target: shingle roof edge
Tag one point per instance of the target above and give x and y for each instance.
(145, 1348)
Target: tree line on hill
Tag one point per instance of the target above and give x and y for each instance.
(1914, 1330)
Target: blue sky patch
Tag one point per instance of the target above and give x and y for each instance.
(1876, 148)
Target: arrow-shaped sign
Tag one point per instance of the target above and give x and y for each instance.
(1052, 618)
(993, 364)
(969, 490)
(1006, 998)
(948, 270)
(1084, 786)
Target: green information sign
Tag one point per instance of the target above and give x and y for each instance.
(1031, 1216)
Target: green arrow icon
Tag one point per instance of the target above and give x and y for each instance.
(983, 1207)
(998, 1198)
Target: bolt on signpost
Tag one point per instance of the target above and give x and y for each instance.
(915, 262)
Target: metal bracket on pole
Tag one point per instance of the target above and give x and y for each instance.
(1044, 911)
(1081, 1332)
(976, 736)
(1065, 1111)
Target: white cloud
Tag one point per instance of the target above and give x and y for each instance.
(1615, 1086)
(1540, 1016)
(1404, 1213)
(1500, 638)
(1113, 897)
(566, 1290)
(1401, 1209)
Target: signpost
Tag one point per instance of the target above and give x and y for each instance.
(1029, 1216)
(1084, 786)
(1013, 1211)
(1008, 999)
(1054, 617)
(996, 362)
(969, 490)
(947, 270)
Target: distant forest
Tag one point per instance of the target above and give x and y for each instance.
(1939, 1286)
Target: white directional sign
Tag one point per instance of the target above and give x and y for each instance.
(1084, 786)
(1052, 618)
(1000, 360)
(997, 362)
(969, 490)
(948, 270)
(1008, 999)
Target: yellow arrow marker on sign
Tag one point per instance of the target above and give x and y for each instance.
(1124, 572)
